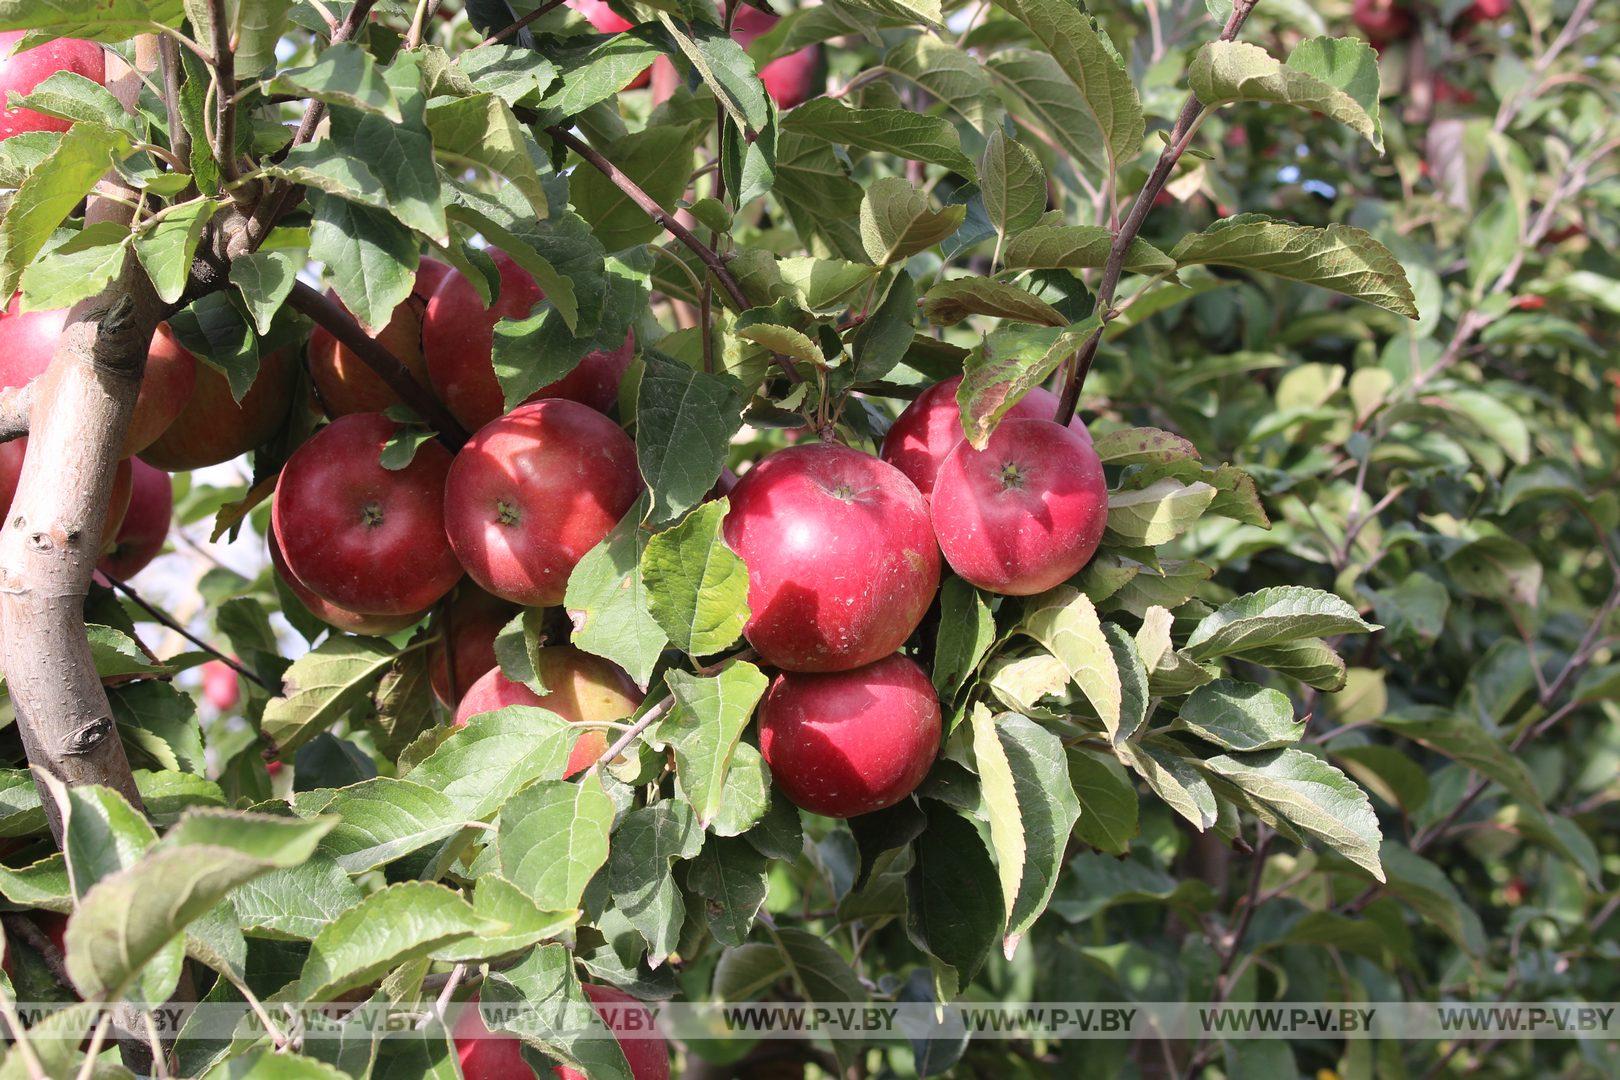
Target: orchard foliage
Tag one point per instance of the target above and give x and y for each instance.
(1329, 714)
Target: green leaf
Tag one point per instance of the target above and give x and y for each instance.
(1140, 446)
(500, 901)
(401, 157)
(1464, 741)
(510, 72)
(732, 875)
(1271, 617)
(1008, 365)
(1107, 98)
(952, 301)
(818, 973)
(608, 605)
(21, 812)
(1312, 661)
(659, 159)
(385, 818)
(160, 720)
(1173, 779)
(950, 75)
(540, 1000)
(598, 74)
(481, 131)
(724, 66)
(685, 419)
(114, 21)
(167, 243)
(129, 918)
(1013, 185)
(1107, 799)
(1065, 622)
(266, 279)
(553, 836)
(785, 340)
(342, 74)
(294, 903)
(902, 132)
(51, 192)
(116, 653)
(322, 686)
(273, 1065)
(1240, 716)
(1341, 258)
(1158, 513)
(1024, 781)
(1075, 247)
(77, 269)
(645, 847)
(1425, 888)
(697, 588)
(1498, 568)
(897, 221)
(370, 258)
(1337, 77)
(703, 729)
(388, 928)
(967, 629)
(1308, 793)
(955, 909)
(487, 761)
(71, 96)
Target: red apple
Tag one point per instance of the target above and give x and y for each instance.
(346, 384)
(213, 427)
(340, 618)
(430, 274)
(467, 625)
(21, 72)
(841, 559)
(145, 526)
(647, 1056)
(850, 742)
(458, 338)
(220, 685)
(1486, 10)
(532, 492)
(1023, 514)
(360, 536)
(1449, 93)
(1383, 21)
(12, 455)
(28, 340)
(1529, 302)
(931, 427)
(483, 1054)
(580, 688)
(789, 80)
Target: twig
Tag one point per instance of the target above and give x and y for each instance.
(19, 1038)
(179, 137)
(457, 973)
(1180, 136)
(21, 926)
(425, 10)
(632, 733)
(160, 1063)
(224, 92)
(507, 31)
(88, 1069)
(340, 324)
(1572, 29)
(165, 619)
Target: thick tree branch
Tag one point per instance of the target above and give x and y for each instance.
(16, 402)
(1180, 136)
(224, 92)
(329, 315)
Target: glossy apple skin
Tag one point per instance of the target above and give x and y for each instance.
(1025, 513)
(532, 492)
(21, 72)
(850, 742)
(368, 539)
(580, 688)
(28, 340)
(648, 1058)
(467, 624)
(336, 617)
(484, 1055)
(145, 526)
(12, 455)
(842, 563)
(1383, 21)
(346, 384)
(220, 685)
(458, 339)
(213, 427)
(931, 426)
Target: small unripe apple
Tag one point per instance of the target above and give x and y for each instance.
(1383, 21)
(648, 1058)
(220, 685)
(850, 742)
(458, 340)
(580, 688)
(1025, 513)
(931, 426)
(345, 383)
(467, 625)
(368, 539)
(20, 72)
(28, 341)
(352, 622)
(145, 527)
(213, 427)
(14, 452)
(532, 492)
(841, 559)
